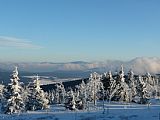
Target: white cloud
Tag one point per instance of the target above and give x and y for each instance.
(17, 43)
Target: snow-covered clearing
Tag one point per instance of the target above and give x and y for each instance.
(112, 112)
(46, 80)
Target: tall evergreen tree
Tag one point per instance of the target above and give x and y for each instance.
(60, 93)
(37, 99)
(94, 86)
(13, 101)
(81, 96)
(71, 100)
(132, 84)
(122, 91)
(141, 90)
(112, 85)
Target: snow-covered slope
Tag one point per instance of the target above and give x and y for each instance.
(115, 112)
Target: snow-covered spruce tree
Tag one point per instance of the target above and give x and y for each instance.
(149, 89)
(13, 101)
(122, 91)
(81, 96)
(51, 97)
(1, 91)
(156, 87)
(141, 91)
(131, 84)
(59, 93)
(109, 85)
(148, 79)
(94, 86)
(71, 102)
(37, 99)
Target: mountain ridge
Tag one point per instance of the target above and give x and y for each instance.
(139, 65)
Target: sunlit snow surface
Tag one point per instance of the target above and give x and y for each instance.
(46, 80)
(113, 111)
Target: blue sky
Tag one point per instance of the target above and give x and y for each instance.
(73, 30)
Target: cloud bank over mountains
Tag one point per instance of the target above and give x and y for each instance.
(139, 65)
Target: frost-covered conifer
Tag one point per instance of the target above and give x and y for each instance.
(59, 93)
(71, 101)
(51, 96)
(148, 79)
(121, 75)
(94, 86)
(141, 91)
(148, 87)
(81, 96)
(112, 85)
(122, 91)
(131, 84)
(37, 99)
(13, 101)
(1, 92)
(156, 87)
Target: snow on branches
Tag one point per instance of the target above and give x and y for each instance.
(37, 99)
(12, 101)
(16, 97)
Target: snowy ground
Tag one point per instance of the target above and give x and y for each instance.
(116, 111)
(45, 80)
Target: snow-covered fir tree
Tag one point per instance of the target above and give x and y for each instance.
(109, 85)
(59, 93)
(81, 96)
(1, 91)
(94, 86)
(149, 88)
(122, 91)
(132, 84)
(156, 87)
(51, 97)
(148, 79)
(37, 99)
(141, 91)
(121, 75)
(71, 100)
(13, 101)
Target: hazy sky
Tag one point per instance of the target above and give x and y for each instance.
(73, 30)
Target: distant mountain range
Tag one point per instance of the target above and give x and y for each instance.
(139, 65)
